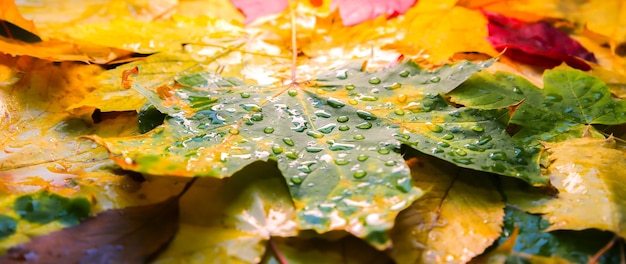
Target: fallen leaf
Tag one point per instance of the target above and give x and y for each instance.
(607, 18)
(525, 239)
(11, 14)
(231, 220)
(434, 33)
(536, 43)
(588, 174)
(349, 250)
(457, 218)
(131, 234)
(254, 9)
(353, 13)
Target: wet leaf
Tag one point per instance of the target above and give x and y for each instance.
(14, 23)
(569, 102)
(525, 240)
(231, 220)
(131, 234)
(588, 173)
(536, 43)
(456, 220)
(323, 162)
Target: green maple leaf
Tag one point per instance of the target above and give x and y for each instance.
(570, 101)
(338, 146)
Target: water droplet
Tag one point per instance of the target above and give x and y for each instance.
(433, 127)
(364, 125)
(344, 128)
(478, 129)
(257, 117)
(473, 147)
(291, 155)
(483, 140)
(517, 90)
(374, 80)
(399, 112)
(465, 161)
(314, 134)
(245, 95)
(341, 161)
(313, 149)
(435, 79)
(304, 168)
(390, 163)
(342, 119)
(499, 155)
(359, 174)
(437, 150)
(251, 107)
(350, 87)
(341, 146)
(276, 149)
(368, 98)
(384, 151)
(327, 128)
(448, 136)
(460, 152)
(353, 102)
(404, 73)
(335, 103)
(402, 98)
(268, 130)
(365, 115)
(292, 93)
(402, 136)
(568, 110)
(359, 137)
(320, 91)
(233, 131)
(322, 113)
(597, 96)
(362, 157)
(342, 74)
(296, 180)
(443, 144)
(393, 86)
(554, 97)
(289, 142)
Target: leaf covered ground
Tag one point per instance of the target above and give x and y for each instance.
(427, 131)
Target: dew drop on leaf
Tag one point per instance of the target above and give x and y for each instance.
(399, 112)
(327, 128)
(296, 179)
(291, 155)
(313, 149)
(402, 98)
(251, 107)
(344, 128)
(404, 73)
(435, 79)
(359, 174)
(257, 117)
(554, 97)
(335, 103)
(364, 125)
(276, 149)
(314, 134)
(289, 142)
(353, 102)
(342, 119)
(517, 90)
(245, 95)
(448, 136)
(358, 137)
(322, 113)
(341, 146)
(350, 87)
(233, 131)
(342, 74)
(393, 86)
(384, 151)
(341, 161)
(460, 152)
(443, 144)
(499, 155)
(390, 163)
(374, 80)
(292, 93)
(478, 129)
(362, 157)
(483, 140)
(365, 115)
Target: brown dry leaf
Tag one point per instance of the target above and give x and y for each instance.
(129, 235)
(457, 218)
(588, 173)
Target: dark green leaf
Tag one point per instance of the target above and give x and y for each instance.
(44, 207)
(8, 225)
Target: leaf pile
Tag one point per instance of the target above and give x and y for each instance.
(306, 130)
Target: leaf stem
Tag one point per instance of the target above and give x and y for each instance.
(294, 48)
(279, 256)
(603, 250)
